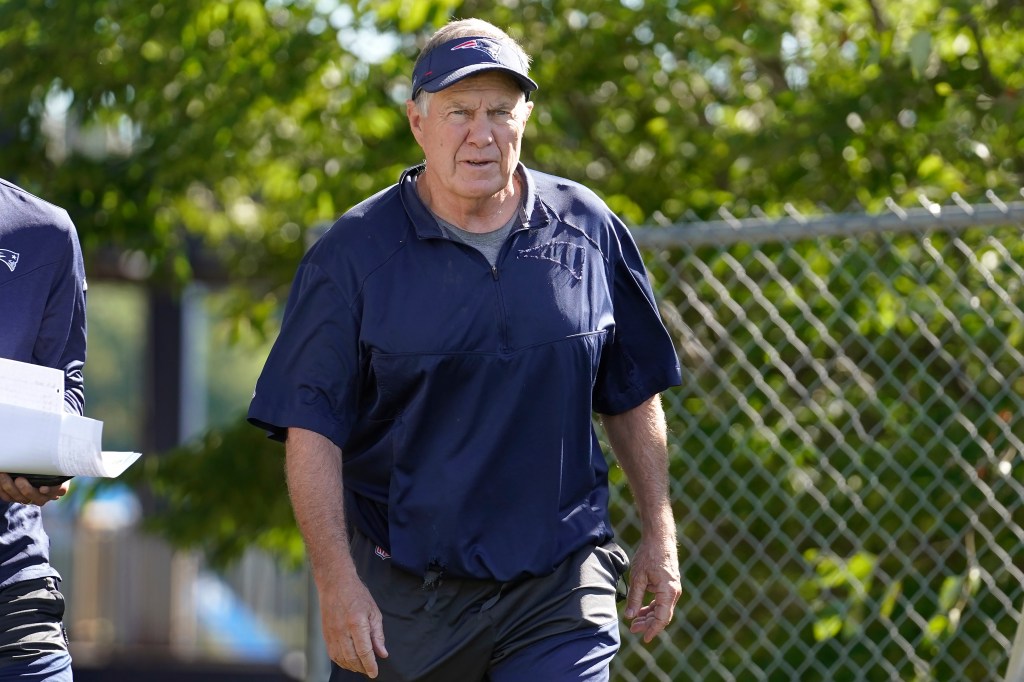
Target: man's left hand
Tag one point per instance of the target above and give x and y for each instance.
(654, 569)
(20, 490)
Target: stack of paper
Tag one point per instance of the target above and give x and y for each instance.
(38, 437)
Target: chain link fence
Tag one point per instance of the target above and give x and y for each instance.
(846, 446)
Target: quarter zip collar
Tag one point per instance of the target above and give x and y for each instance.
(532, 212)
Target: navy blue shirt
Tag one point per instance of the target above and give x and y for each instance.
(462, 395)
(42, 321)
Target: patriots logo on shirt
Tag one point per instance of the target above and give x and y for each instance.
(9, 258)
(569, 256)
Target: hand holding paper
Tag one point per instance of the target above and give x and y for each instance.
(38, 437)
(30, 491)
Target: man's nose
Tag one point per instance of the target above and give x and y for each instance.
(480, 132)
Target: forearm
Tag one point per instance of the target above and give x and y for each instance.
(352, 623)
(61, 338)
(313, 469)
(639, 441)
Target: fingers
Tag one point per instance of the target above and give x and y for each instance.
(635, 595)
(53, 492)
(358, 652)
(8, 492)
(377, 635)
(664, 584)
(364, 653)
(361, 645)
(358, 659)
(21, 491)
(651, 620)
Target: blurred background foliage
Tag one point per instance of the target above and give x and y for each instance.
(200, 139)
(197, 128)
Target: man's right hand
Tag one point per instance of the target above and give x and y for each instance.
(353, 627)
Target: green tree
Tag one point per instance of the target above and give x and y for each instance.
(666, 110)
(193, 129)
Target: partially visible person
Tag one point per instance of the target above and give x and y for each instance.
(42, 321)
(443, 351)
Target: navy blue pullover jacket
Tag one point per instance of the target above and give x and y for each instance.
(42, 321)
(462, 395)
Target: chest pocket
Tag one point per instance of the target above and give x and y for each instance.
(554, 291)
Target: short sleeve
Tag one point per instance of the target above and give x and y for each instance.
(311, 376)
(639, 359)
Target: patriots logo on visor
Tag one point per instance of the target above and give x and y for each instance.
(9, 258)
(490, 49)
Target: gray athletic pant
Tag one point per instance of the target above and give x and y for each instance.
(556, 628)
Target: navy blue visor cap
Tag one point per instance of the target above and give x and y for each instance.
(450, 62)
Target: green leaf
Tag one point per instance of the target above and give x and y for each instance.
(930, 166)
(862, 565)
(936, 628)
(920, 50)
(827, 627)
(950, 592)
(892, 595)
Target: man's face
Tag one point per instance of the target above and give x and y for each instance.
(472, 133)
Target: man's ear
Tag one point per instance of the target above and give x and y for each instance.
(415, 116)
(529, 110)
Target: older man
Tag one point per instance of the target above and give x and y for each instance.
(443, 351)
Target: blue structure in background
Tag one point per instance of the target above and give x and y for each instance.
(229, 626)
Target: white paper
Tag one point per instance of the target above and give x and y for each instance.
(26, 385)
(39, 442)
(28, 438)
(38, 437)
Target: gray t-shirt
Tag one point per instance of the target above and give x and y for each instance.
(487, 243)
